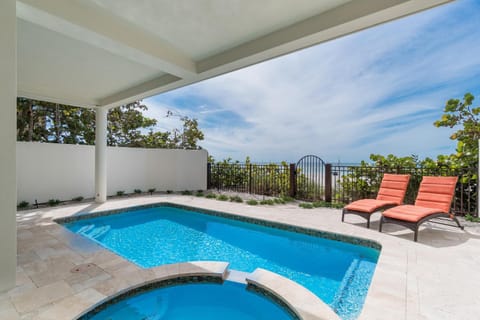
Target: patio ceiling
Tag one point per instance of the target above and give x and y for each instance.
(110, 52)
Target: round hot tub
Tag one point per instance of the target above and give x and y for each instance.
(193, 300)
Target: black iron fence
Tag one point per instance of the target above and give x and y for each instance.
(334, 183)
(262, 179)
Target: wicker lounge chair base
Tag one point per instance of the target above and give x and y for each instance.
(414, 226)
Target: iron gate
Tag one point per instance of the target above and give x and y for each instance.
(310, 178)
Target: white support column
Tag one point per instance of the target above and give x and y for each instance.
(8, 124)
(101, 155)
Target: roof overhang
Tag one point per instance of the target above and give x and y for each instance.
(110, 52)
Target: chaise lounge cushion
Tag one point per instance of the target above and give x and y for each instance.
(436, 192)
(391, 193)
(410, 213)
(369, 205)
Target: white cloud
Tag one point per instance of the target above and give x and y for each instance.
(377, 91)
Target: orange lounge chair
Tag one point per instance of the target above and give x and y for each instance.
(433, 201)
(391, 193)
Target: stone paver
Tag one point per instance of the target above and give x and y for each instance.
(38, 297)
(435, 278)
(307, 305)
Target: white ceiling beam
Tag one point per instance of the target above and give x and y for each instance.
(348, 18)
(138, 92)
(103, 30)
(30, 93)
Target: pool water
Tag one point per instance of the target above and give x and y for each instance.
(337, 272)
(210, 301)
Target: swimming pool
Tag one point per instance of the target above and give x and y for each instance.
(337, 272)
(213, 301)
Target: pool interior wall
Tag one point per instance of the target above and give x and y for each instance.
(193, 297)
(338, 271)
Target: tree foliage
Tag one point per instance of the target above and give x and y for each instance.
(462, 114)
(127, 126)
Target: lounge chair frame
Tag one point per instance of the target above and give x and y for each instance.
(365, 215)
(414, 226)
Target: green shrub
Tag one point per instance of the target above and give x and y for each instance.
(471, 218)
(169, 191)
(53, 202)
(186, 193)
(324, 204)
(23, 205)
(252, 202)
(211, 196)
(279, 201)
(151, 190)
(222, 197)
(306, 205)
(269, 202)
(137, 191)
(79, 198)
(199, 193)
(287, 199)
(236, 199)
(120, 193)
(318, 204)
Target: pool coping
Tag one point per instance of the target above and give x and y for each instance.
(298, 301)
(306, 304)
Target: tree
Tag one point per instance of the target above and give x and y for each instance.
(57, 123)
(191, 133)
(156, 139)
(31, 121)
(71, 125)
(125, 124)
(461, 113)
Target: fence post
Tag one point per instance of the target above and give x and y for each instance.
(209, 175)
(328, 182)
(293, 180)
(250, 178)
(218, 176)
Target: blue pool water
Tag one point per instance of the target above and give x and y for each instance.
(337, 272)
(200, 301)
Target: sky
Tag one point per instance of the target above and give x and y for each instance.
(376, 91)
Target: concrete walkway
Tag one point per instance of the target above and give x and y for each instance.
(60, 273)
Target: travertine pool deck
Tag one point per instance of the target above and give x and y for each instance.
(60, 274)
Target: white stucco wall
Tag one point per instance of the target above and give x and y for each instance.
(8, 95)
(58, 171)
